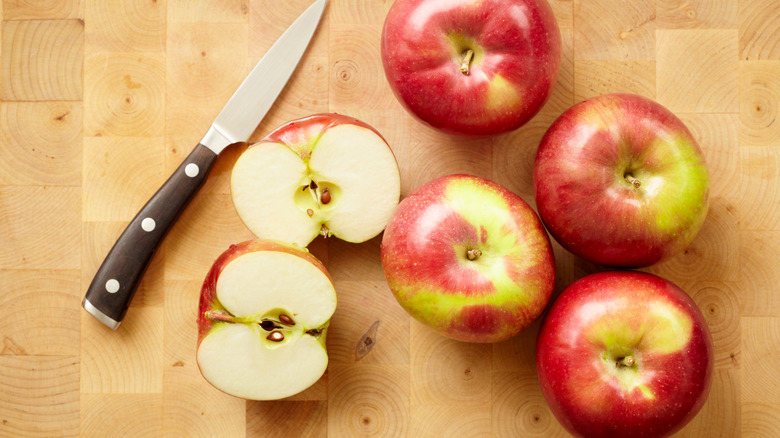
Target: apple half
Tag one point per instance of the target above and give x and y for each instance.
(325, 174)
(263, 317)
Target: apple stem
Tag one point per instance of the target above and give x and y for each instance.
(464, 66)
(473, 254)
(626, 361)
(219, 316)
(633, 181)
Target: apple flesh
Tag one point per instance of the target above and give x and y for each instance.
(263, 317)
(471, 68)
(624, 354)
(620, 181)
(469, 259)
(325, 174)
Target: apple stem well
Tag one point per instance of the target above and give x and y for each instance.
(466, 63)
(473, 254)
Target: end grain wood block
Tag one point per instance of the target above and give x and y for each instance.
(614, 30)
(701, 14)
(759, 29)
(139, 28)
(124, 95)
(46, 314)
(124, 361)
(121, 415)
(43, 10)
(709, 59)
(40, 395)
(519, 408)
(759, 103)
(760, 192)
(205, 63)
(41, 227)
(41, 143)
(42, 60)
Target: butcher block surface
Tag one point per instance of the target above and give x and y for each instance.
(102, 100)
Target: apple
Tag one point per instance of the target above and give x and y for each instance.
(624, 354)
(326, 174)
(263, 319)
(620, 181)
(472, 68)
(469, 259)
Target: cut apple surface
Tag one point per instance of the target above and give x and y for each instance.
(263, 318)
(325, 174)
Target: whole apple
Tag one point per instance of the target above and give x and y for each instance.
(620, 181)
(472, 68)
(263, 317)
(325, 174)
(624, 354)
(469, 259)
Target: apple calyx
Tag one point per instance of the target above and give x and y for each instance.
(466, 63)
(473, 254)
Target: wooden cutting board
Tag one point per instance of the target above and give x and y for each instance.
(102, 99)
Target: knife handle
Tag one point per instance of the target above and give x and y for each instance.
(115, 283)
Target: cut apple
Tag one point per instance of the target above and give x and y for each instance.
(324, 174)
(263, 319)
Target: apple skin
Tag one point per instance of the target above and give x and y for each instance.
(300, 134)
(583, 191)
(208, 296)
(603, 317)
(517, 54)
(424, 254)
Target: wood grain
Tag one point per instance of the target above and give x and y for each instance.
(101, 100)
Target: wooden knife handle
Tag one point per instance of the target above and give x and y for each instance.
(115, 283)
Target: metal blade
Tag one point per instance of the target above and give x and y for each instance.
(255, 96)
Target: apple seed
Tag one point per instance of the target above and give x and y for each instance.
(286, 319)
(275, 337)
(310, 212)
(268, 325)
(325, 196)
(313, 332)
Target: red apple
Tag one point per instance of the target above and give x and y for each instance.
(620, 181)
(624, 354)
(325, 174)
(468, 258)
(472, 68)
(263, 317)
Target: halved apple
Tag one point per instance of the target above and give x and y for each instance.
(324, 174)
(263, 319)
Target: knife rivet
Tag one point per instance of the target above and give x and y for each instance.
(148, 224)
(191, 170)
(112, 286)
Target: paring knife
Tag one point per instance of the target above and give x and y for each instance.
(115, 283)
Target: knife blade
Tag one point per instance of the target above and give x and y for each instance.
(111, 290)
